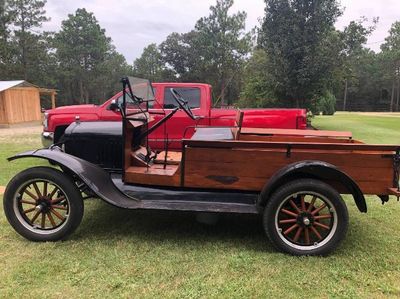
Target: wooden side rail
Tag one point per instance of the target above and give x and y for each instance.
(304, 133)
(291, 145)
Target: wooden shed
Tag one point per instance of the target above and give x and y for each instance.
(20, 102)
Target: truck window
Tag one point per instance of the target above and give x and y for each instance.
(191, 94)
(129, 100)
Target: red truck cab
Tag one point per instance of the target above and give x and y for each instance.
(199, 97)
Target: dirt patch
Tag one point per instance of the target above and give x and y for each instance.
(21, 135)
(32, 129)
(2, 189)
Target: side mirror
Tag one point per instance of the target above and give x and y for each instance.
(113, 106)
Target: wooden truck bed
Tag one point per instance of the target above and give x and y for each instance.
(245, 165)
(247, 160)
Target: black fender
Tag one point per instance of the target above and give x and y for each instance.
(313, 169)
(96, 179)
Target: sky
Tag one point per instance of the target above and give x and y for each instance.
(134, 24)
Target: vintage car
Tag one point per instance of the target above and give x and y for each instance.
(293, 178)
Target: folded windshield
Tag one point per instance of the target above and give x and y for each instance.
(141, 89)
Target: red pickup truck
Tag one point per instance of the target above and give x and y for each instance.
(199, 97)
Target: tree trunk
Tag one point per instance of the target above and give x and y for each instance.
(345, 96)
(392, 98)
(86, 96)
(398, 92)
(81, 93)
(24, 62)
(23, 48)
(222, 95)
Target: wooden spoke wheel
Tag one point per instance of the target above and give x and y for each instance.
(306, 217)
(42, 204)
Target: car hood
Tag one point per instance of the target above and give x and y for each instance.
(74, 109)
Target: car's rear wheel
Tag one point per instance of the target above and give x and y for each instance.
(43, 204)
(306, 217)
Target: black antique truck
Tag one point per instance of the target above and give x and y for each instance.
(293, 178)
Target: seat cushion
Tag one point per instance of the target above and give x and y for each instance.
(213, 134)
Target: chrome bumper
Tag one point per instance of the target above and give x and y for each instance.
(47, 139)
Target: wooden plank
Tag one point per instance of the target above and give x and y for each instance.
(23, 105)
(281, 139)
(250, 170)
(374, 189)
(172, 158)
(289, 132)
(155, 175)
(293, 145)
(274, 157)
(243, 183)
(254, 169)
(256, 184)
(3, 109)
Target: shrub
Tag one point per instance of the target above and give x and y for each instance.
(326, 104)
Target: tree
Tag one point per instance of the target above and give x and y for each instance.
(295, 35)
(5, 20)
(354, 38)
(81, 48)
(180, 55)
(214, 52)
(27, 15)
(257, 91)
(150, 65)
(391, 53)
(106, 82)
(224, 44)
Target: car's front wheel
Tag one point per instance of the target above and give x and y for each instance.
(306, 217)
(43, 204)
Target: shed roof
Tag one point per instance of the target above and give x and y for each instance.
(17, 83)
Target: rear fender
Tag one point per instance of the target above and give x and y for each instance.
(95, 178)
(317, 170)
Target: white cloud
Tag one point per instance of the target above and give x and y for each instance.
(133, 24)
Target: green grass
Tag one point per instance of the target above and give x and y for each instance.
(370, 129)
(119, 253)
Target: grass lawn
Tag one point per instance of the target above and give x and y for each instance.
(370, 129)
(118, 253)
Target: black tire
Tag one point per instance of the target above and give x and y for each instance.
(279, 216)
(69, 203)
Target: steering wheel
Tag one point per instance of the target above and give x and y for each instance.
(183, 104)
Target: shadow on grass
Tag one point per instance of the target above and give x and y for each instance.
(102, 221)
(106, 223)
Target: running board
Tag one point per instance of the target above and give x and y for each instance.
(198, 206)
(148, 198)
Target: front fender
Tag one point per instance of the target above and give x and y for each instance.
(313, 169)
(95, 178)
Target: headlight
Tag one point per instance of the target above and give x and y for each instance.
(46, 121)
